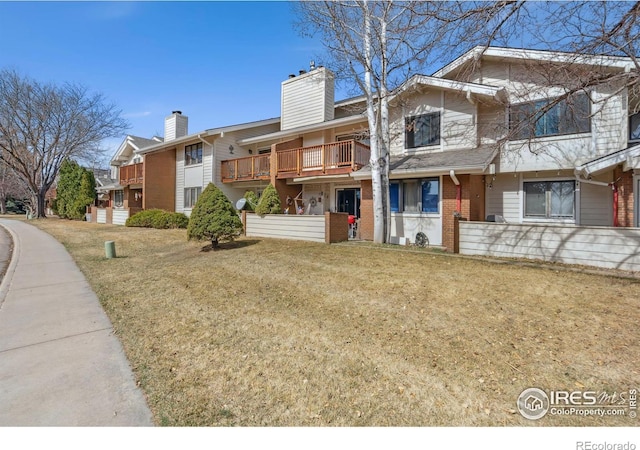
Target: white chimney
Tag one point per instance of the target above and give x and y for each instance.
(307, 98)
(175, 126)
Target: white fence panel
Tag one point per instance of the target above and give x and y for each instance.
(284, 226)
(608, 247)
(120, 216)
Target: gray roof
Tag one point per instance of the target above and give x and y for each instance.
(141, 142)
(474, 160)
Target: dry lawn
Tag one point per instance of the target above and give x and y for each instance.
(284, 333)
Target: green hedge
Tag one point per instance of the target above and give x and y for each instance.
(157, 218)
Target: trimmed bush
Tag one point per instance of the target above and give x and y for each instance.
(214, 218)
(157, 218)
(252, 200)
(269, 202)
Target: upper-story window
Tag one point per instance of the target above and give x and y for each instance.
(634, 127)
(550, 117)
(422, 131)
(193, 154)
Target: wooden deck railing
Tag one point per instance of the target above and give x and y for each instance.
(248, 168)
(131, 174)
(325, 159)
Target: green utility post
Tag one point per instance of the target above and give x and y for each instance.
(110, 249)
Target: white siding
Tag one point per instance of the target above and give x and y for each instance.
(175, 126)
(458, 123)
(596, 204)
(207, 165)
(617, 248)
(193, 176)
(101, 216)
(307, 99)
(417, 104)
(120, 216)
(503, 197)
(285, 226)
(408, 225)
(180, 180)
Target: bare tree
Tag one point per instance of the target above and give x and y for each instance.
(377, 45)
(41, 125)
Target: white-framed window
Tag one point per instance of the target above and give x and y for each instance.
(553, 199)
(118, 199)
(415, 196)
(422, 130)
(191, 195)
(193, 154)
(550, 117)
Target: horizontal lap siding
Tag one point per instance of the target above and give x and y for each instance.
(617, 248)
(120, 216)
(306, 228)
(101, 216)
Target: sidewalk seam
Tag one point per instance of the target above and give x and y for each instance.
(55, 340)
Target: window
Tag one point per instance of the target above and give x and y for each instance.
(543, 118)
(118, 199)
(634, 127)
(193, 154)
(417, 196)
(191, 196)
(421, 131)
(549, 199)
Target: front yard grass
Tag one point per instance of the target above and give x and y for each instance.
(286, 333)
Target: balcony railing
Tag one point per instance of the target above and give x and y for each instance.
(245, 169)
(131, 174)
(326, 159)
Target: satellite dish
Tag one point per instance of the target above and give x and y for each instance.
(421, 239)
(240, 204)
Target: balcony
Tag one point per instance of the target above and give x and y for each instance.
(247, 169)
(334, 158)
(131, 174)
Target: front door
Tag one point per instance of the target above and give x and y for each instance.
(348, 201)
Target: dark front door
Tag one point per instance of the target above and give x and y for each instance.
(349, 201)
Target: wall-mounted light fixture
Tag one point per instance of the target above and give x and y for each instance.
(250, 152)
(231, 149)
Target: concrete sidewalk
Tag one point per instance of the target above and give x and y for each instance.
(60, 363)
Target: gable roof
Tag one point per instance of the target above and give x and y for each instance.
(523, 54)
(205, 133)
(483, 90)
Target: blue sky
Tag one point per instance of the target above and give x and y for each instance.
(220, 63)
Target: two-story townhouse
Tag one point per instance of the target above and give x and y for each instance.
(310, 158)
(485, 136)
(120, 196)
(500, 133)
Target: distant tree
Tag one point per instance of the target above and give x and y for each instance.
(41, 125)
(214, 218)
(269, 202)
(76, 190)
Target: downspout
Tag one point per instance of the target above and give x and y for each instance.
(613, 186)
(616, 223)
(455, 180)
